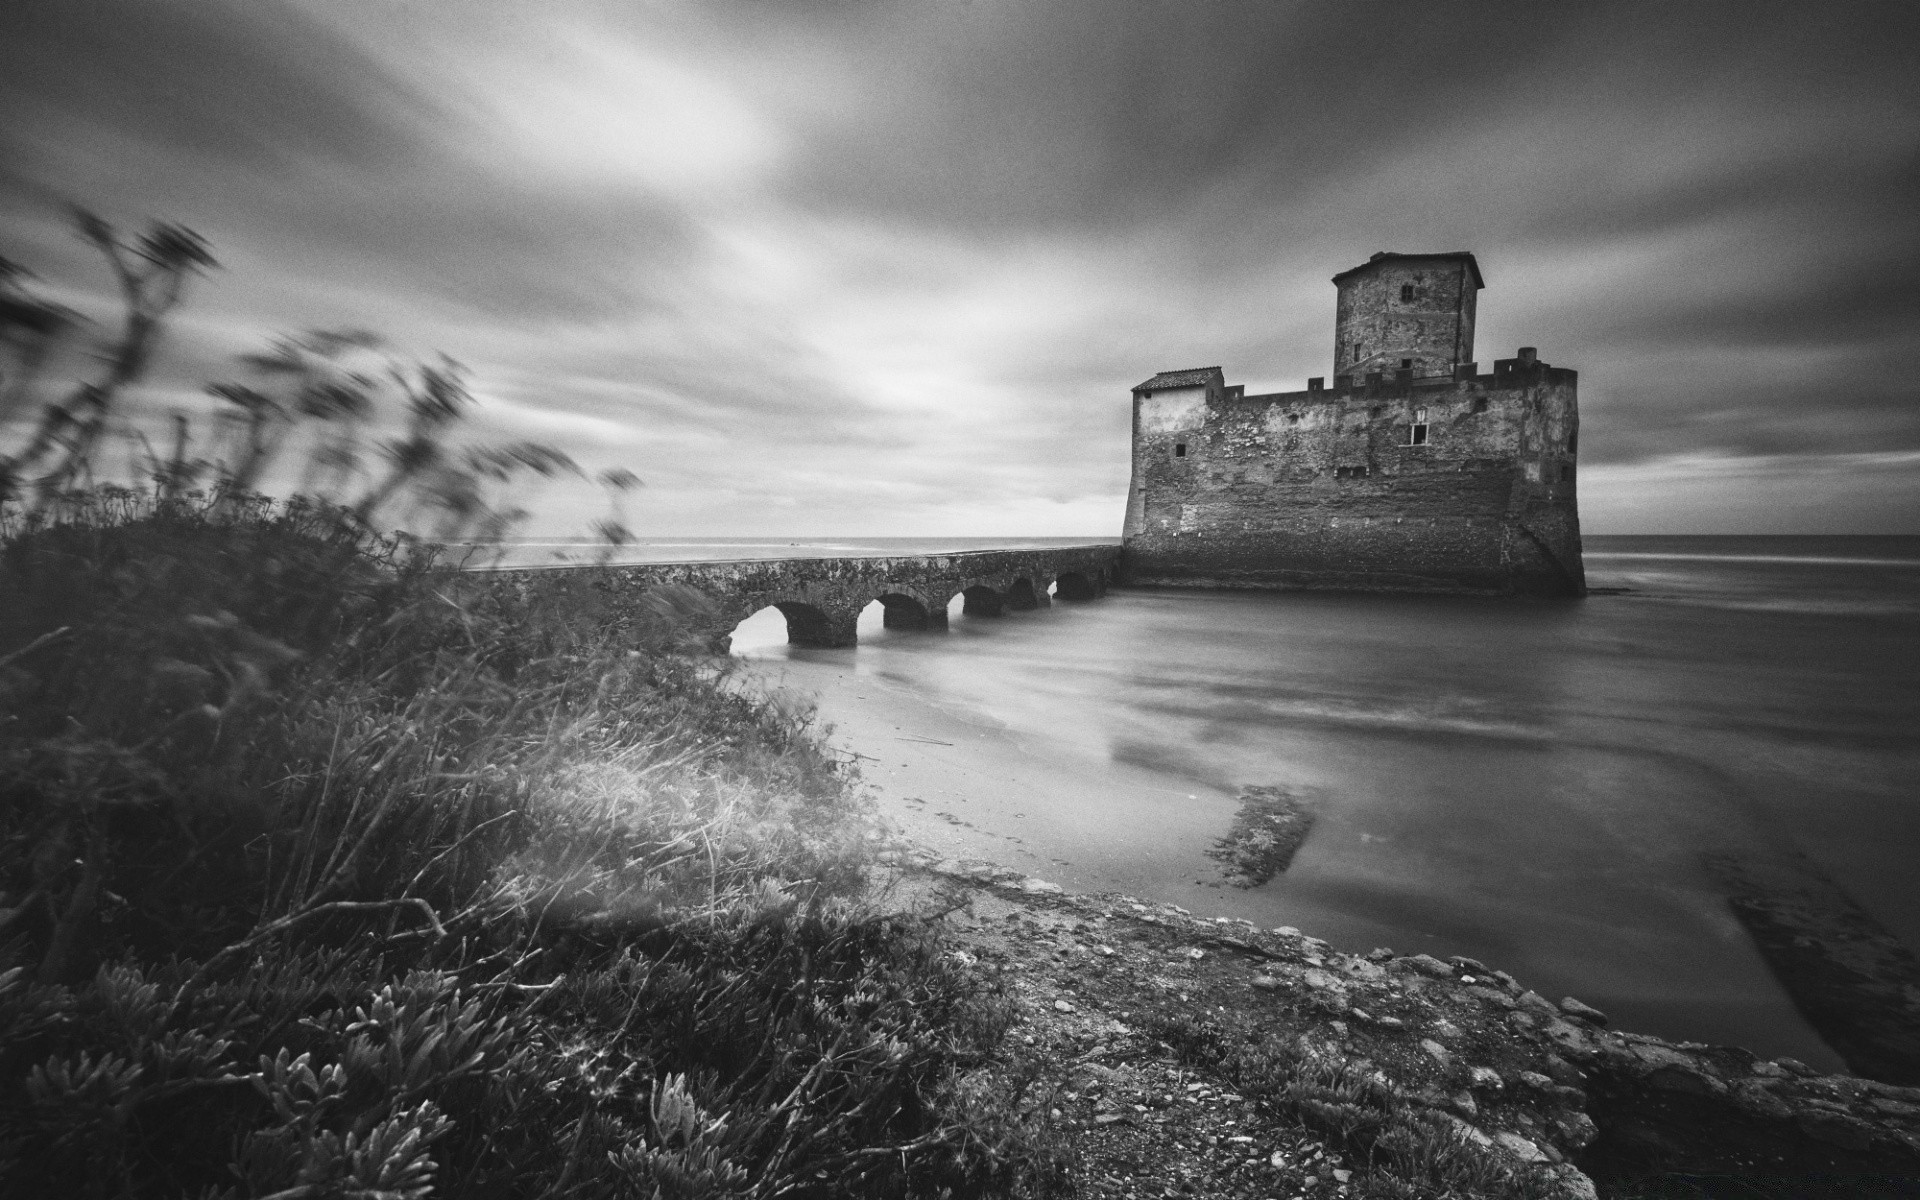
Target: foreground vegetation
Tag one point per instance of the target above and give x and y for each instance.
(328, 872)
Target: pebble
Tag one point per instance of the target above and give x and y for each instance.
(1520, 1147)
(1427, 964)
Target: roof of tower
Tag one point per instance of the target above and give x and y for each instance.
(1191, 377)
(1479, 281)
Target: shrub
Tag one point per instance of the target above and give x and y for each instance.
(328, 871)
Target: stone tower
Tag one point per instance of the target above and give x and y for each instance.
(1405, 312)
(1414, 472)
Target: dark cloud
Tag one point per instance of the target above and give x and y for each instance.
(257, 85)
(267, 128)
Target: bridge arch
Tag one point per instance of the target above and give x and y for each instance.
(982, 601)
(1021, 597)
(807, 623)
(1073, 585)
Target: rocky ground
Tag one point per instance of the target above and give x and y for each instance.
(1183, 1056)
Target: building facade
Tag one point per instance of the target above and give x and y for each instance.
(1413, 472)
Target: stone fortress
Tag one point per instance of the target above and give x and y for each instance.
(1413, 472)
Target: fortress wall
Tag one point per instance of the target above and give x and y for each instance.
(1322, 489)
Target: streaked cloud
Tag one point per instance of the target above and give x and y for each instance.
(842, 267)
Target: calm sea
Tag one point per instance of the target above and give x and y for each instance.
(1532, 784)
(534, 552)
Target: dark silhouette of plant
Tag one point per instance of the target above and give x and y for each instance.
(329, 379)
(612, 529)
(152, 272)
(29, 328)
(325, 387)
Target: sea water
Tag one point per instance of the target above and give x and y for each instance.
(1529, 783)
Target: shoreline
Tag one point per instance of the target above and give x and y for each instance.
(965, 784)
(1547, 1090)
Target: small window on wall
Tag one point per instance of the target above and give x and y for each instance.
(1417, 431)
(1566, 472)
(1351, 472)
(1406, 364)
(1179, 449)
(1406, 292)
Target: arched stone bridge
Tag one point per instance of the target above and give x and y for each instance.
(822, 597)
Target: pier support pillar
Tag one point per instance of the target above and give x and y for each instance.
(810, 626)
(1022, 597)
(904, 612)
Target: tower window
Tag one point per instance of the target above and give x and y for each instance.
(1179, 449)
(1406, 292)
(1417, 431)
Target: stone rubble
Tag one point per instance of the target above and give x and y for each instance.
(1522, 1077)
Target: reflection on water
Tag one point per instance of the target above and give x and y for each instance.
(1527, 783)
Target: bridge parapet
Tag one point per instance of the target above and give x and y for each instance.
(821, 598)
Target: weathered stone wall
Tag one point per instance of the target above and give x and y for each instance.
(1433, 327)
(1329, 489)
(822, 597)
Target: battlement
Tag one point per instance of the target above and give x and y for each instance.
(1523, 370)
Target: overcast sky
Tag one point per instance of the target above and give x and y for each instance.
(890, 268)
